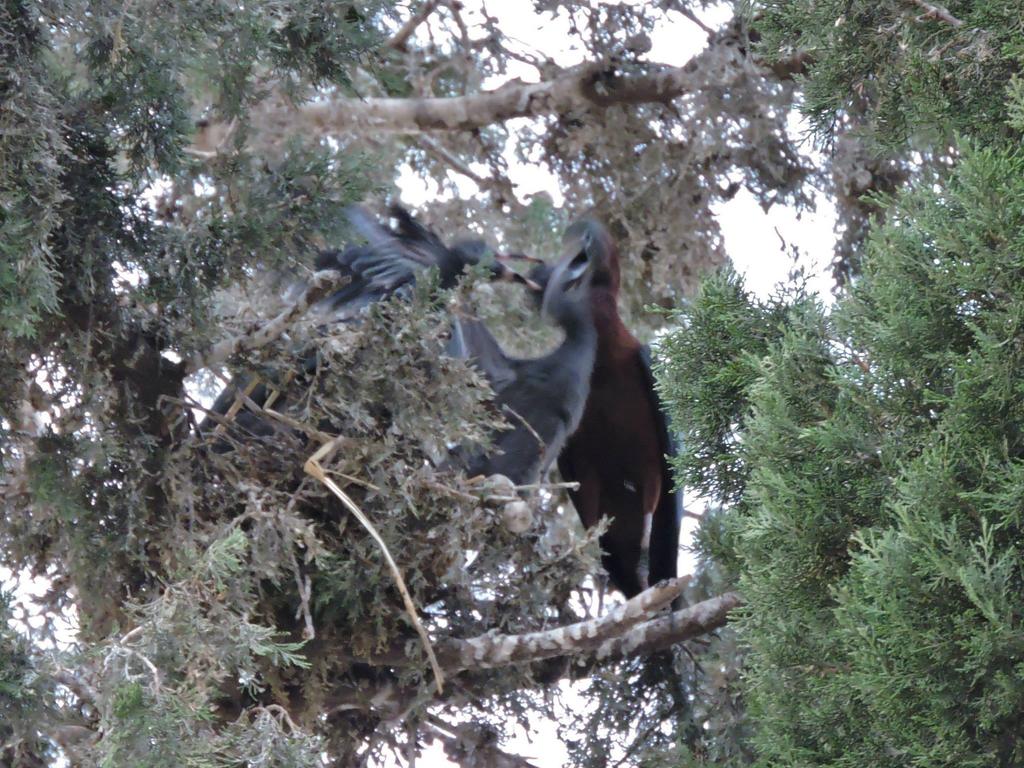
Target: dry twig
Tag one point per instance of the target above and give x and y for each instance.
(399, 41)
(932, 11)
(465, 740)
(323, 282)
(315, 469)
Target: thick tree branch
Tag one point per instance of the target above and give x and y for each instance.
(587, 87)
(584, 87)
(724, 62)
(626, 631)
(322, 284)
(494, 650)
(581, 89)
(686, 624)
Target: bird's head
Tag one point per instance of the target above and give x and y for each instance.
(571, 278)
(585, 239)
(471, 251)
(591, 236)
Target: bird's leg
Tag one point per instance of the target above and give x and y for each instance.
(602, 588)
(643, 569)
(651, 497)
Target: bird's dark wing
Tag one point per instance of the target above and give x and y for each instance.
(389, 260)
(358, 292)
(472, 341)
(388, 263)
(412, 231)
(539, 404)
(664, 546)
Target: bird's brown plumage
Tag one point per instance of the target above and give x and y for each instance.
(618, 452)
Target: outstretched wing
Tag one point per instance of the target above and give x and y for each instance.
(668, 516)
(391, 260)
(472, 341)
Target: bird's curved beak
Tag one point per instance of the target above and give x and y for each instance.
(503, 257)
(502, 270)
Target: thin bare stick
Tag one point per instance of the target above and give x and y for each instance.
(571, 486)
(130, 634)
(287, 420)
(498, 185)
(277, 392)
(932, 11)
(465, 741)
(305, 587)
(696, 20)
(541, 445)
(399, 41)
(122, 649)
(188, 402)
(452, 491)
(243, 399)
(211, 138)
(314, 468)
(355, 480)
(323, 282)
(236, 406)
(282, 715)
(452, 161)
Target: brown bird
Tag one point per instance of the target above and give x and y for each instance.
(619, 453)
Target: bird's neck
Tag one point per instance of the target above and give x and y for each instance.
(613, 338)
(581, 337)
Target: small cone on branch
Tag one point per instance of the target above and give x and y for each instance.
(517, 516)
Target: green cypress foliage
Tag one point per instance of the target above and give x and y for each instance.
(873, 450)
(876, 532)
(920, 71)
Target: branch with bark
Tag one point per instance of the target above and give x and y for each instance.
(322, 284)
(590, 86)
(676, 627)
(587, 87)
(631, 629)
(494, 650)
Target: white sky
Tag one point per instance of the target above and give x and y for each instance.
(753, 240)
